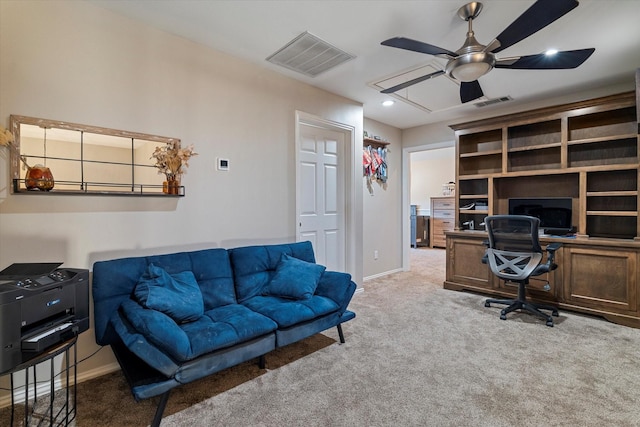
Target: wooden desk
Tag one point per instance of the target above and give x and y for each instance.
(594, 276)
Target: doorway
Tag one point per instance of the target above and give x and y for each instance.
(324, 184)
(430, 184)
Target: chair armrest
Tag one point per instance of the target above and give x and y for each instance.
(552, 247)
(485, 257)
(551, 253)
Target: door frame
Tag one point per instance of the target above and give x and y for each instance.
(353, 233)
(406, 194)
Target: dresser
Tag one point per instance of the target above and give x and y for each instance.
(442, 219)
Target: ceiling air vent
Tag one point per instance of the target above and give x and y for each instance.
(309, 55)
(493, 101)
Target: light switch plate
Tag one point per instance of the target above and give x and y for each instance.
(223, 164)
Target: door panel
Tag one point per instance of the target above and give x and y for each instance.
(320, 194)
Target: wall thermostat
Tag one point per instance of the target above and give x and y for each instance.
(223, 164)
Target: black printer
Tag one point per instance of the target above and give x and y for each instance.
(41, 305)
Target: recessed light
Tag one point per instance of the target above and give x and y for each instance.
(551, 52)
(388, 103)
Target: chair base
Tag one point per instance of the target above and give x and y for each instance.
(522, 304)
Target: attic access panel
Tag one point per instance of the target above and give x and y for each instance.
(436, 94)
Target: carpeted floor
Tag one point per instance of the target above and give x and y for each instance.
(416, 355)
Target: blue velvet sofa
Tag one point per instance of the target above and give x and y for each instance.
(172, 319)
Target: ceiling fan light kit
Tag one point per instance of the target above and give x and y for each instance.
(473, 60)
(471, 66)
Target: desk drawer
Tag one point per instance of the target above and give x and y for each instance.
(443, 214)
(442, 225)
(448, 204)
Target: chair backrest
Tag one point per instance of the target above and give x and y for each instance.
(514, 248)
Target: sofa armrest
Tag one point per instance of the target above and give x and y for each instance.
(137, 343)
(338, 287)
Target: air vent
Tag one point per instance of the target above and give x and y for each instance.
(493, 101)
(309, 55)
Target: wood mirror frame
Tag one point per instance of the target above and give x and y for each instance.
(84, 159)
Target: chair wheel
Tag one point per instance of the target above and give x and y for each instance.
(550, 323)
(487, 304)
(503, 316)
(555, 313)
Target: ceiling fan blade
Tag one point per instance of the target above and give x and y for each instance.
(559, 61)
(412, 82)
(416, 46)
(538, 16)
(470, 91)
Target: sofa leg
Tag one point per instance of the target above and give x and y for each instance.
(262, 361)
(339, 326)
(160, 409)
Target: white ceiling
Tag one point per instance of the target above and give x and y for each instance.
(255, 29)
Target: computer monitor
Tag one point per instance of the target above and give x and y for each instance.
(554, 212)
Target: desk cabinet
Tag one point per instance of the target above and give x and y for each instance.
(442, 219)
(592, 277)
(464, 267)
(601, 279)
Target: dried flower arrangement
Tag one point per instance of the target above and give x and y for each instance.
(6, 137)
(172, 160)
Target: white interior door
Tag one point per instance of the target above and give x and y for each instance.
(320, 193)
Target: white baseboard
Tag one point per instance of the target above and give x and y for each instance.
(44, 387)
(386, 273)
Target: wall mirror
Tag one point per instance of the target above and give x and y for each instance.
(54, 157)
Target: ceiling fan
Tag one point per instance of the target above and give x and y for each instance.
(474, 59)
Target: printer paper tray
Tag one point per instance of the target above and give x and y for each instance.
(48, 338)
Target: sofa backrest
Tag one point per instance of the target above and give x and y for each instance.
(253, 266)
(114, 281)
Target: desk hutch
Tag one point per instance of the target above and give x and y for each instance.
(585, 150)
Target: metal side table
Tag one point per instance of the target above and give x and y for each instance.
(60, 410)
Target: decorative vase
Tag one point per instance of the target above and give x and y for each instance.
(39, 177)
(173, 185)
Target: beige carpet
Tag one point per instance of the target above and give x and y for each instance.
(416, 355)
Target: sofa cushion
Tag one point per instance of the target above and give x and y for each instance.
(294, 279)
(218, 328)
(254, 266)
(213, 273)
(286, 312)
(176, 295)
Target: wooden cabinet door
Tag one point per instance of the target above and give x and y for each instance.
(464, 265)
(601, 278)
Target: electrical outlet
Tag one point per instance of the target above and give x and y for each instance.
(375, 254)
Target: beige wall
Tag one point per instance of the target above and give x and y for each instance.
(429, 170)
(420, 136)
(72, 61)
(382, 206)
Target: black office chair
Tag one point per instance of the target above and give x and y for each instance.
(514, 254)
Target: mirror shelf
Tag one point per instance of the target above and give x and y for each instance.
(54, 157)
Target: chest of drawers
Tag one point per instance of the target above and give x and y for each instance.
(442, 219)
